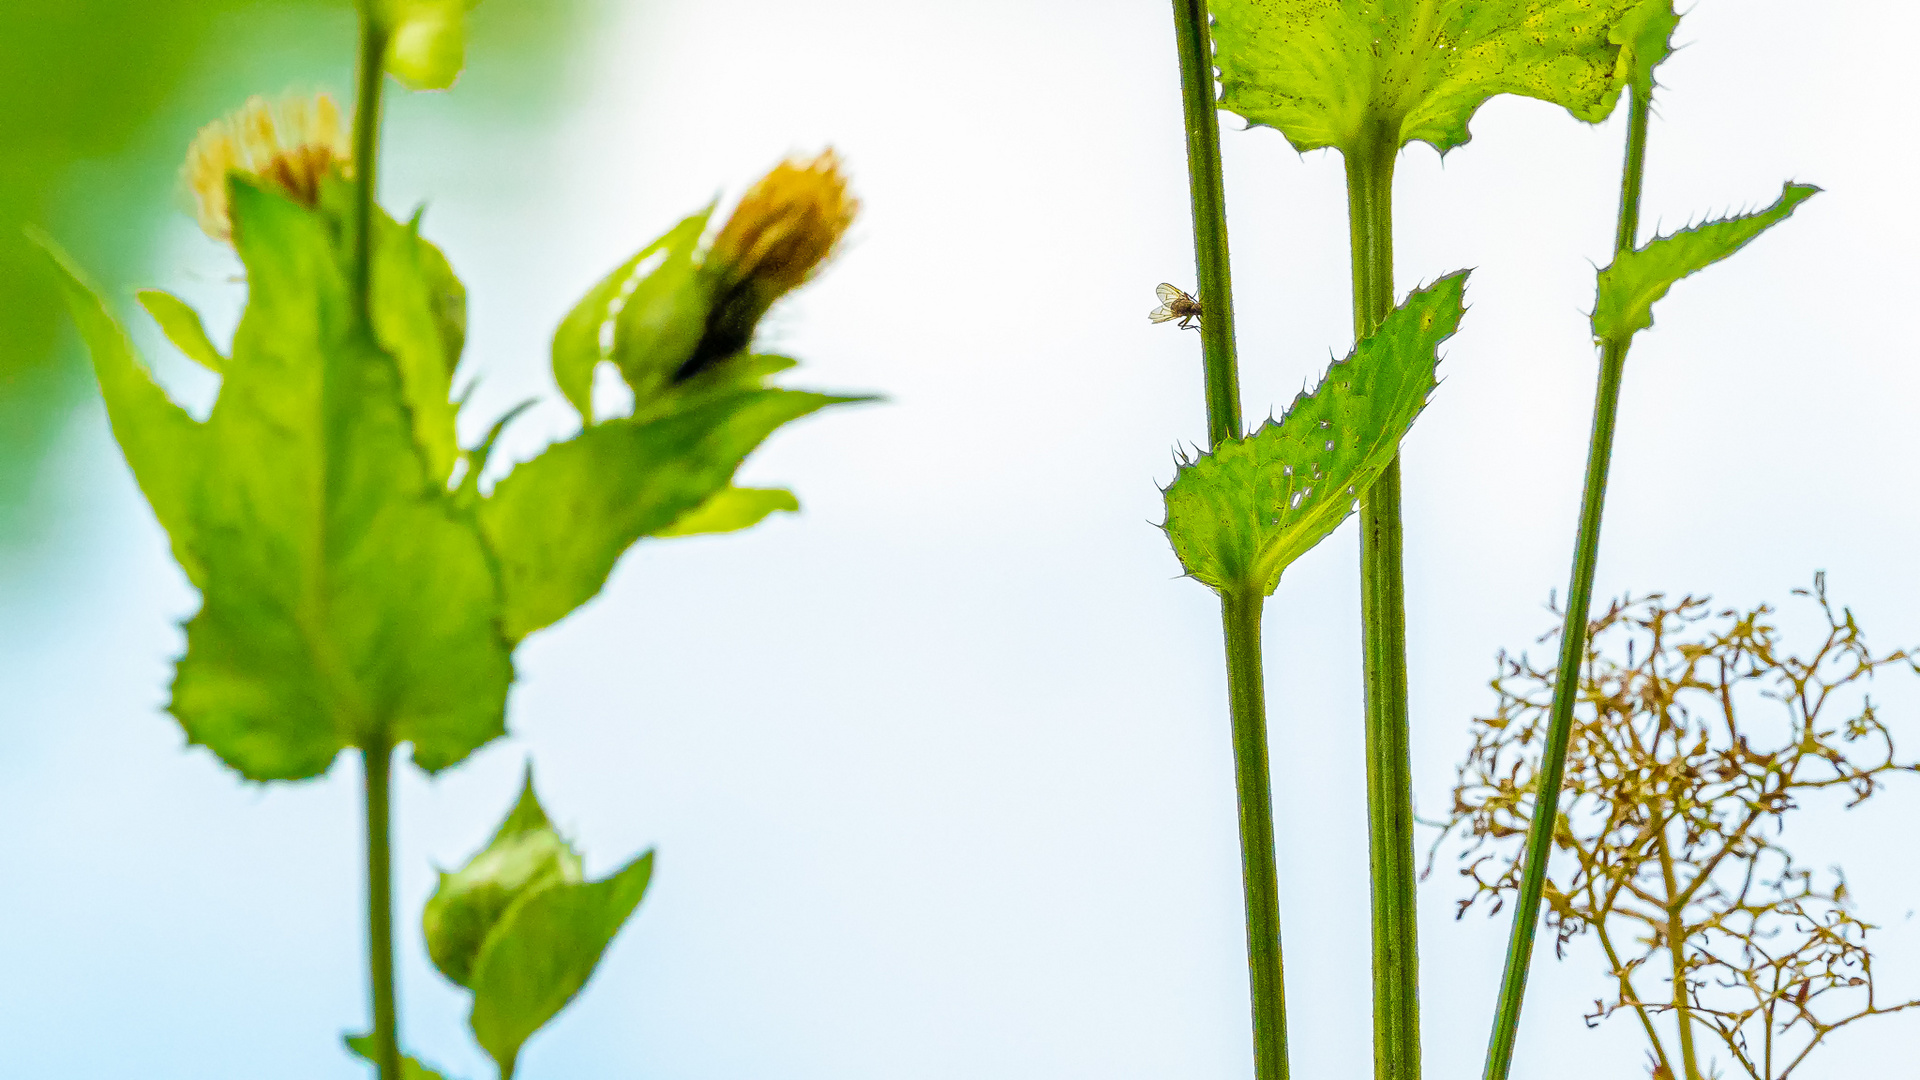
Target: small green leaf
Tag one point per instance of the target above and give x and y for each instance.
(1638, 279)
(163, 445)
(183, 327)
(559, 522)
(662, 319)
(1347, 74)
(542, 953)
(577, 345)
(1238, 516)
(525, 854)
(419, 312)
(345, 598)
(732, 509)
(1645, 37)
(410, 1068)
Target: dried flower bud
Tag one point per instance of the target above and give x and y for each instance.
(289, 144)
(785, 227)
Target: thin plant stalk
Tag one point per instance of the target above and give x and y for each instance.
(1573, 644)
(1383, 616)
(377, 752)
(1240, 609)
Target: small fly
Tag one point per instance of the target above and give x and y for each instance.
(1176, 304)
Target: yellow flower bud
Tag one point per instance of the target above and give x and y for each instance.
(786, 225)
(289, 144)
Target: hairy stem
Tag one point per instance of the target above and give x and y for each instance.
(378, 756)
(1573, 635)
(1383, 614)
(366, 152)
(1209, 220)
(1240, 609)
(1246, 693)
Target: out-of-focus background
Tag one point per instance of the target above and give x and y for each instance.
(938, 770)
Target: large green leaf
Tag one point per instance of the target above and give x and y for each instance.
(559, 522)
(1638, 279)
(543, 952)
(1348, 73)
(343, 598)
(1239, 515)
(162, 443)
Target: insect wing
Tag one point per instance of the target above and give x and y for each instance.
(1168, 294)
(1163, 313)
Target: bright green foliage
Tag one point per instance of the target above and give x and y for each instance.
(521, 929)
(649, 284)
(1347, 73)
(410, 1068)
(731, 510)
(183, 327)
(1637, 279)
(1645, 36)
(427, 41)
(1239, 515)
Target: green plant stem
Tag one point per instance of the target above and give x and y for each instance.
(378, 757)
(1247, 697)
(366, 151)
(1240, 609)
(1209, 220)
(1573, 634)
(1383, 615)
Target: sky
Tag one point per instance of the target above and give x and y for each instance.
(938, 770)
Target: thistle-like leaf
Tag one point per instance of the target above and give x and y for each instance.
(345, 600)
(1638, 279)
(1239, 515)
(183, 327)
(1352, 73)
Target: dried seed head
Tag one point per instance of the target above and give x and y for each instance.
(786, 225)
(288, 144)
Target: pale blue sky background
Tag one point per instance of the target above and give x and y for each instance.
(938, 771)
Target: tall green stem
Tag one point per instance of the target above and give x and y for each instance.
(1383, 615)
(1240, 608)
(366, 151)
(1573, 633)
(378, 753)
(1209, 220)
(378, 757)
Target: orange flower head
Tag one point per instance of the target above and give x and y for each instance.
(786, 225)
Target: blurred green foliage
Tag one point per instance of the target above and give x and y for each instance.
(102, 97)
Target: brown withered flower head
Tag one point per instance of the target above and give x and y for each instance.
(784, 229)
(289, 144)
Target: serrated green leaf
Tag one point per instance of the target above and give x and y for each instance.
(1238, 516)
(1645, 37)
(183, 327)
(345, 598)
(1345, 73)
(526, 853)
(162, 443)
(419, 313)
(543, 952)
(577, 344)
(1638, 279)
(559, 522)
(410, 1067)
(730, 510)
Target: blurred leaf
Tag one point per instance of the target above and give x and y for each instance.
(428, 43)
(1352, 74)
(1238, 516)
(343, 597)
(410, 1068)
(163, 445)
(543, 952)
(732, 509)
(525, 854)
(559, 522)
(661, 322)
(1638, 279)
(183, 327)
(578, 345)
